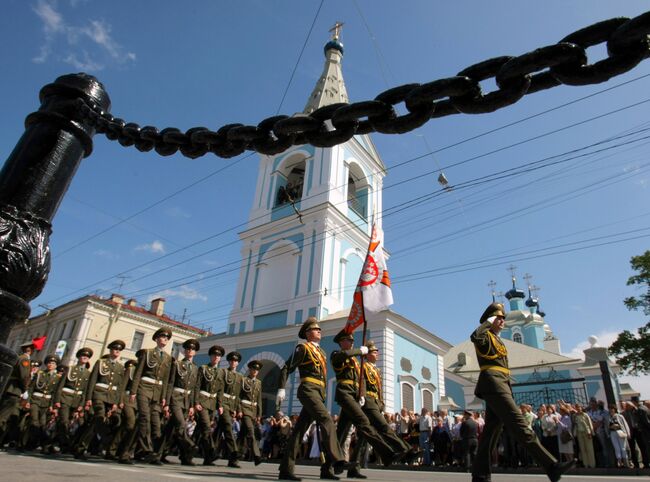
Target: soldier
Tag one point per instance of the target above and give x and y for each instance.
(16, 394)
(40, 404)
(105, 389)
(232, 386)
(208, 402)
(493, 386)
(149, 388)
(348, 371)
(70, 395)
(181, 395)
(311, 361)
(125, 436)
(251, 406)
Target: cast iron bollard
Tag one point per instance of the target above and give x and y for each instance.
(33, 181)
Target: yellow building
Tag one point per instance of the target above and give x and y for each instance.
(94, 322)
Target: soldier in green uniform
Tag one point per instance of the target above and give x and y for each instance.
(232, 387)
(311, 361)
(40, 407)
(16, 394)
(149, 388)
(347, 369)
(181, 395)
(125, 437)
(70, 395)
(208, 402)
(250, 398)
(105, 389)
(493, 386)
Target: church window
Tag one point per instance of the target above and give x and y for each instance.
(427, 400)
(517, 338)
(357, 198)
(291, 190)
(408, 396)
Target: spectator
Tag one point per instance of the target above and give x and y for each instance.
(619, 431)
(441, 443)
(565, 433)
(642, 414)
(549, 430)
(584, 433)
(425, 428)
(600, 420)
(469, 440)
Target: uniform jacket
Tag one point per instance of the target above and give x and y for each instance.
(21, 376)
(211, 384)
(72, 387)
(374, 388)
(44, 387)
(311, 362)
(347, 369)
(152, 374)
(183, 384)
(250, 397)
(107, 381)
(231, 388)
(493, 360)
(129, 373)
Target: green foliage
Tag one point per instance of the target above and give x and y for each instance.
(632, 351)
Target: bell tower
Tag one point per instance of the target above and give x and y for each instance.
(310, 222)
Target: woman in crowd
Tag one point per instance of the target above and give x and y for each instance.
(619, 431)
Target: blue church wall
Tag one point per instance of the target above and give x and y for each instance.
(352, 272)
(270, 320)
(455, 391)
(284, 210)
(419, 359)
(534, 336)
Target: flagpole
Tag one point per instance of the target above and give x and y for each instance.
(363, 342)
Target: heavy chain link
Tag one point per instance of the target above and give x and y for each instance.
(565, 63)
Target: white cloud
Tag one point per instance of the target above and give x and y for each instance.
(104, 253)
(86, 64)
(178, 212)
(52, 20)
(155, 247)
(184, 292)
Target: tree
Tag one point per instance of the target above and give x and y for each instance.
(632, 351)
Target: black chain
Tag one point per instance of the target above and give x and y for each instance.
(565, 63)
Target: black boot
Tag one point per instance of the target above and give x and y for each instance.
(287, 476)
(559, 468)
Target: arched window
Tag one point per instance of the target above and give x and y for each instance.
(408, 401)
(291, 184)
(357, 191)
(517, 338)
(427, 400)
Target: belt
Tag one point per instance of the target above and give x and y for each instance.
(348, 382)
(107, 386)
(153, 381)
(496, 368)
(70, 390)
(182, 390)
(248, 402)
(313, 380)
(372, 395)
(41, 395)
(208, 394)
(229, 396)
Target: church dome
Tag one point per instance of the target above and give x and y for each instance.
(335, 44)
(515, 293)
(531, 302)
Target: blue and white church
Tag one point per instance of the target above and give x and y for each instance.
(302, 253)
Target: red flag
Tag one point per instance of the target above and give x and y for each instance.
(373, 293)
(39, 342)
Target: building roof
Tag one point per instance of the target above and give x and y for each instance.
(330, 88)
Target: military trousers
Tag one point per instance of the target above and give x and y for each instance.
(38, 421)
(204, 420)
(10, 412)
(176, 430)
(149, 433)
(313, 409)
(247, 436)
(225, 429)
(63, 426)
(501, 410)
(126, 434)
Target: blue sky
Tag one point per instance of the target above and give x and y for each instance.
(210, 63)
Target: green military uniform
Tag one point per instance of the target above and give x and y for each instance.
(493, 386)
(311, 362)
(105, 389)
(232, 387)
(40, 400)
(15, 395)
(150, 387)
(126, 433)
(250, 398)
(209, 397)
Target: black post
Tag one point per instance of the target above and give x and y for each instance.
(33, 181)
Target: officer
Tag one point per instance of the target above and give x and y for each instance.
(125, 437)
(232, 386)
(208, 402)
(311, 361)
(149, 388)
(181, 396)
(347, 369)
(105, 387)
(493, 386)
(70, 395)
(16, 393)
(250, 397)
(40, 404)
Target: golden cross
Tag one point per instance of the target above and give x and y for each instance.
(336, 29)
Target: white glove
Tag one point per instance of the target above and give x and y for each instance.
(25, 395)
(364, 350)
(362, 400)
(282, 394)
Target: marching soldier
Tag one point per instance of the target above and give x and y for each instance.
(208, 402)
(348, 372)
(181, 396)
(232, 386)
(40, 403)
(70, 395)
(251, 406)
(311, 361)
(125, 437)
(16, 394)
(105, 389)
(493, 386)
(149, 388)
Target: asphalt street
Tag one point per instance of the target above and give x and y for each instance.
(15, 466)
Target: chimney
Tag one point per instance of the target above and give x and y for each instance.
(132, 302)
(157, 306)
(116, 298)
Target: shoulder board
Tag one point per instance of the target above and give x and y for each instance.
(25, 363)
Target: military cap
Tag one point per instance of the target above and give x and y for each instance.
(116, 345)
(26, 345)
(342, 335)
(192, 344)
(494, 309)
(234, 355)
(85, 351)
(255, 365)
(51, 358)
(309, 324)
(216, 350)
(371, 346)
(162, 332)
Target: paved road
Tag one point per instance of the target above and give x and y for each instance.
(65, 469)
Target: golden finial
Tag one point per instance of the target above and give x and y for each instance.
(336, 30)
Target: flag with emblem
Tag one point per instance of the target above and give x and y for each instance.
(39, 342)
(373, 293)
